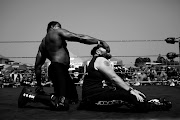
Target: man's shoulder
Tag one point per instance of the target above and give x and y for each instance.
(101, 62)
(60, 31)
(101, 59)
(42, 45)
(56, 33)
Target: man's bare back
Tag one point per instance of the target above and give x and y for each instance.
(54, 47)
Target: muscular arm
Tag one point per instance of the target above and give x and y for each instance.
(104, 66)
(40, 59)
(82, 38)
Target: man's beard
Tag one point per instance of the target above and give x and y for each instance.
(106, 55)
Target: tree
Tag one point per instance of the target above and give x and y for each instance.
(161, 59)
(141, 61)
(171, 56)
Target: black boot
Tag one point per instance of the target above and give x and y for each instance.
(25, 96)
(59, 103)
(160, 104)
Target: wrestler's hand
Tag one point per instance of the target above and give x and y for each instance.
(138, 96)
(140, 93)
(105, 45)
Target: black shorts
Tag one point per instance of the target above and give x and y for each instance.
(62, 82)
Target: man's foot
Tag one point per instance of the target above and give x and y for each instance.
(25, 96)
(59, 103)
(160, 104)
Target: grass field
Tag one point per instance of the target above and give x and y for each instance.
(37, 111)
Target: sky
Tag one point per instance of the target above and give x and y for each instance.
(108, 20)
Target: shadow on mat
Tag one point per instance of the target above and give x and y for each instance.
(122, 109)
(77, 107)
(37, 107)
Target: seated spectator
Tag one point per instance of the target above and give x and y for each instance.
(103, 87)
(163, 76)
(75, 76)
(1, 80)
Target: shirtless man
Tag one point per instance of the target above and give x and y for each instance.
(54, 48)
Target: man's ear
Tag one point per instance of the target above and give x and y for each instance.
(98, 52)
(52, 27)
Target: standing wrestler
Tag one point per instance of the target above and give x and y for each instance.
(103, 87)
(54, 48)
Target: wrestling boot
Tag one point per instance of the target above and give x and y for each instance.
(160, 104)
(25, 96)
(59, 103)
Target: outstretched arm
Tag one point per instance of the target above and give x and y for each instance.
(40, 59)
(104, 66)
(82, 39)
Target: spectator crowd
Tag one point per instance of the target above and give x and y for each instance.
(149, 75)
(146, 75)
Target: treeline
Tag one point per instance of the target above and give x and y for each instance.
(140, 61)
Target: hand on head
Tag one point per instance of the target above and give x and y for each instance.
(105, 46)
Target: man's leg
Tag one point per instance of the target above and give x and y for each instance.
(27, 96)
(129, 100)
(63, 84)
(58, 75)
